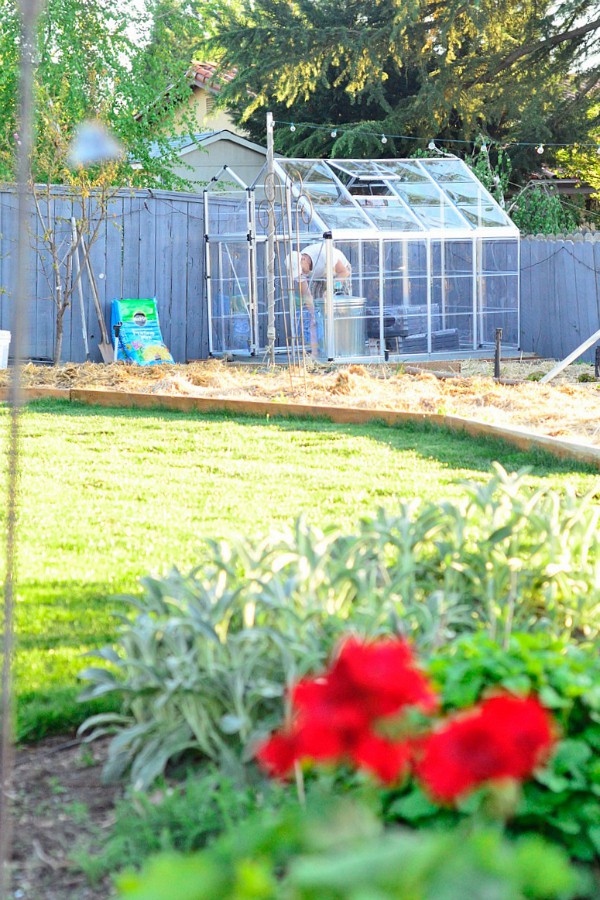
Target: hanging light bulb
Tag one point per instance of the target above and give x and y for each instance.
(383, 139)
(292, 127)
(431, 145)
(540, 148)
(334, 133)
(484, 147)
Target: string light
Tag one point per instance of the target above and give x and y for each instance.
(432, 145)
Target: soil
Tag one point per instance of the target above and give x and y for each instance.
(567, 407)
(59, 805)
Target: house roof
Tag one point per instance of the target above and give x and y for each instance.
(207, 75)
(210, 137)
(186, 143)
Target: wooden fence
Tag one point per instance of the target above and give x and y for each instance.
(560, 294)
(151, 245)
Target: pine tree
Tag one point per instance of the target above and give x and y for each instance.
(512, 70)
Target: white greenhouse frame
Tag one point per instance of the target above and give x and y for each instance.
(435, 261)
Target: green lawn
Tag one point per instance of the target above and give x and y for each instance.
(110, 495)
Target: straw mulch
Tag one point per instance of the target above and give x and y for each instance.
(567, 407)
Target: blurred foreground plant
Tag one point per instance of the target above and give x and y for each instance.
(338, 718)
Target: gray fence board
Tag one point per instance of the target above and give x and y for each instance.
(152, 245)
(560, 291)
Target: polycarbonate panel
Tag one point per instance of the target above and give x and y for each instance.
(445, 170)
(404, 170)
(498, 256)
(230, 282)
(484, 215)
(424, 194)
(229, 215)
(441, 215)
(343, 217)
(388, 213)
(363, 168)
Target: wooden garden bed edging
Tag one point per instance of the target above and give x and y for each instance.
(521, 438)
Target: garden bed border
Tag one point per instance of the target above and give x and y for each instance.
(518, 437)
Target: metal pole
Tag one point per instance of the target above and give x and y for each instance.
(29, 12)
(270, 181)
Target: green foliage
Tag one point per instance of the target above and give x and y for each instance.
(212, 469)
(90, 65)
(205, 663)
(181, 817)
(540, 211)
(419, 70)
(562, 801)
(345, 855)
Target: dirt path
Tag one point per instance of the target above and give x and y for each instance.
(60, 805)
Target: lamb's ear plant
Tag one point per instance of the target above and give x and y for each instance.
(204, 663)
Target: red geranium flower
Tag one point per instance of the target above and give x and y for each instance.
(278, 754)
(529, 728)
(388, 760)
(504, 737)
(381, 677)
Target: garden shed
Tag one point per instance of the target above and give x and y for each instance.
(434, 262)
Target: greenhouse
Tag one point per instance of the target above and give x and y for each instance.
(360, 260)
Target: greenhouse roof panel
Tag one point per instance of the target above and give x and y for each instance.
(357, 194)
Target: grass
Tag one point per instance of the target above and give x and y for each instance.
(110, 495)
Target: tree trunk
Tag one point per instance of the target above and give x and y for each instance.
(59, 337)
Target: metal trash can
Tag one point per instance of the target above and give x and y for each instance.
(349, 324)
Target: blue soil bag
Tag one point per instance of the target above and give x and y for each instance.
(140, 337)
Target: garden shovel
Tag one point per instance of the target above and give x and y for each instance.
(105, 346)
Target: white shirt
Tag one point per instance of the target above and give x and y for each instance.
(318, 255)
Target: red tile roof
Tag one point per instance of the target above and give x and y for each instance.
(207, 75)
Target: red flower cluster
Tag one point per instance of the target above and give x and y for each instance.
(504, 737)
(336, 718)
(335, 714)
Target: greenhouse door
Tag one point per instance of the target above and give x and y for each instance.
(230, 275)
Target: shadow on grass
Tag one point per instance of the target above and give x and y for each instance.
(431, 442)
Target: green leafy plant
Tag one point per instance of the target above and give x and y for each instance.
(204, 665)
(182, 816)
(344, 854)
(540, 211)
(561, 801)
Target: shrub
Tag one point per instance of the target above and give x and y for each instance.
(345, 855)
(204, 665)
(561, 802)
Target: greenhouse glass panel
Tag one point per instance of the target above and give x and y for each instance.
(388, 213)
(484, 215)
(441, 215)
(445, 170)
(368, 260)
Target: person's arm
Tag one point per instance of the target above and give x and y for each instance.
(342, 268)
(305, 290)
